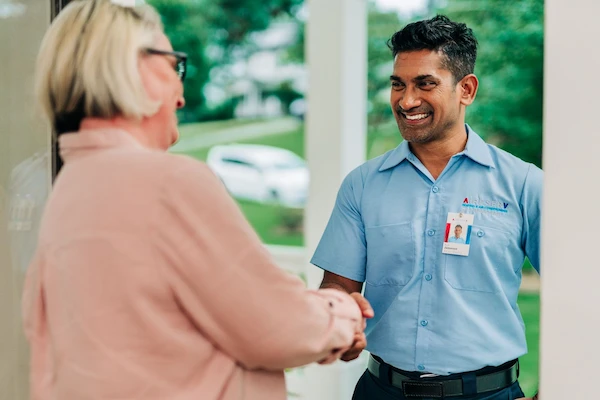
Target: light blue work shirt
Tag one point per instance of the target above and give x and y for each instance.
(454, 239)
(437, 312)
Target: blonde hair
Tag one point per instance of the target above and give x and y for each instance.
(88, 63)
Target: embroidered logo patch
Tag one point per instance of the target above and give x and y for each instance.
(483, 205)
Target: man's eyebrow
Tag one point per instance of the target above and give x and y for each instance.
(423, 77)
(415, 79)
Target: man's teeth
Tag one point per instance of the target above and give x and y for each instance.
(415, 117)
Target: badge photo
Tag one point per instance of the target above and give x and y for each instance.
(457, 240)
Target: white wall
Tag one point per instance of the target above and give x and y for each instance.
(571, 261)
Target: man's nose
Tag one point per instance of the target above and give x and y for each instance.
(409, 100)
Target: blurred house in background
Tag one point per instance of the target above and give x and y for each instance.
(263, 82)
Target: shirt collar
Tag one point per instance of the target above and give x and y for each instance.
(91, 140)
(476, 149)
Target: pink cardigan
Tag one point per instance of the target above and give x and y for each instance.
(148, 283)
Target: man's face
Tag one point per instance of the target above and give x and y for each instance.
(424, 96)
(457, 231)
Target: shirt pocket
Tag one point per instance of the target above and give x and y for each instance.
(390, 254)
(480, 270)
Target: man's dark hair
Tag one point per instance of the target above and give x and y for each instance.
(458, 226)
(454, 40)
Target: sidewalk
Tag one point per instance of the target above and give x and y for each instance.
(530, 283)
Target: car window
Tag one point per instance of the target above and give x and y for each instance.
(235, 161)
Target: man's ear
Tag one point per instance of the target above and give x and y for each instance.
(468, 89)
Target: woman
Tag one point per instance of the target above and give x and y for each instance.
(147, 282)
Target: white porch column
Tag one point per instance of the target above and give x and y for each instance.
(335, 143)
(570, 320)
(337, 97)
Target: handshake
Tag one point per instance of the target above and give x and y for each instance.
(360, 340)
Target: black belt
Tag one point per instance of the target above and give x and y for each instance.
(439, 388)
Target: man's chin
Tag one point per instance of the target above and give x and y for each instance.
(415, 135)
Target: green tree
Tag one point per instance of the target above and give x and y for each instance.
(381, 26)
(185, 25)
(214, 32)
(508, 108)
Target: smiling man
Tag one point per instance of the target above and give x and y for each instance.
(446, 322)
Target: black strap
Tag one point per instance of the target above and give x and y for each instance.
(440, 387)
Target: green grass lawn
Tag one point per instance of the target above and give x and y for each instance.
(530, 309)
(267, 221)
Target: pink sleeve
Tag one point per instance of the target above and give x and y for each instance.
(229, 286)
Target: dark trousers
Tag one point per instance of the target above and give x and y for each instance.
(370, 387)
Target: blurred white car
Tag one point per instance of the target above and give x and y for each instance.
(261, 173)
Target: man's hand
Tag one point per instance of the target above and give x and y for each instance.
(365, 306)
(360, 340)
(359, 344)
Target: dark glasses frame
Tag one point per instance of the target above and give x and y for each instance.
(181, 57)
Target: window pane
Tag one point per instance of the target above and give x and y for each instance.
(245, 104)
(24, 178)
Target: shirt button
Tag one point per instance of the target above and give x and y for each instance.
(428, 277)
(431, 232)
(421, 367)
(435, 189)
(424, 323)
(480, 233)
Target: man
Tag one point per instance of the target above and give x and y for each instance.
(457, 236)
(446, 323)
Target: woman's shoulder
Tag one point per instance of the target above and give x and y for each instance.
(175, 163)
(186, 174)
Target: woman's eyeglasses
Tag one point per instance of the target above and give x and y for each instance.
(180, 65)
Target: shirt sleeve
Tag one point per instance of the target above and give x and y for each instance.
(342, 248)
(531, 204)
(228, 285)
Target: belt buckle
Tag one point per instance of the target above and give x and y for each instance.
(418, 390)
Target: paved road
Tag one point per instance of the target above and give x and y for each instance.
(233, 134)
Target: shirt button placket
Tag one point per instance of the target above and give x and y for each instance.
(430, 242)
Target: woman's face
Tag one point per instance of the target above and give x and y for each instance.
(162, 83)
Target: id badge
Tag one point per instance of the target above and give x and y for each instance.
(457, 240)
